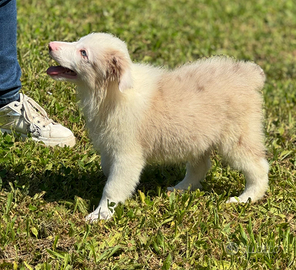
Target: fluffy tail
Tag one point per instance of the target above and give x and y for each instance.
(257, 75)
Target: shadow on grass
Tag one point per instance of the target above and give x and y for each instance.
(64, 183)
(63, 173)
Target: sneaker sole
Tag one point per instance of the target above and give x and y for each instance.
(68, 141)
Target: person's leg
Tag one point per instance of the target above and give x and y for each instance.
(10, 71)
(18, 112)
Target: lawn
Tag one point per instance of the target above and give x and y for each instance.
(45, 193)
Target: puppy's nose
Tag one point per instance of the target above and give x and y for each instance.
(52, 46)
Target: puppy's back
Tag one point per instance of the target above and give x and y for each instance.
(200, 104)
(220, 71)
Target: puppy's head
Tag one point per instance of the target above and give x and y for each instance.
(96, 59)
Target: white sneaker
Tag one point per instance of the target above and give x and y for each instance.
(27, 117)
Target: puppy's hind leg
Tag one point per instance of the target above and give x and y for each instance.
(195, 173)
(256, 174)
(248, 156)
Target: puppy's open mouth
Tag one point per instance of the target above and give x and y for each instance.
(61, 72)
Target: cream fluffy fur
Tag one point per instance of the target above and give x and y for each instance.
(138, 113)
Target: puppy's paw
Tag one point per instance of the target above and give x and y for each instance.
(174, 189)
(233, 200)
(171, 189)
(97, 215)
(92, 217)
(238, 200)
(182, 187)
(105, 210)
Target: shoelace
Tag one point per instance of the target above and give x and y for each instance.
(33, 110)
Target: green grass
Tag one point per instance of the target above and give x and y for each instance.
(45, 193)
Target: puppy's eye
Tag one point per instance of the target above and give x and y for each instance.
(83, 53)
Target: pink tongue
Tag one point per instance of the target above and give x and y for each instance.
(56, 70)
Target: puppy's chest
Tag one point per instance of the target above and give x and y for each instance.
(111, 133)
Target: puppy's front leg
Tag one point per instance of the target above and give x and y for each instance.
(123, 177)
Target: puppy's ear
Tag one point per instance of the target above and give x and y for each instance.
(125, 81)
(121, 70)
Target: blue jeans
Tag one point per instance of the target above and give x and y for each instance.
(10, 71)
